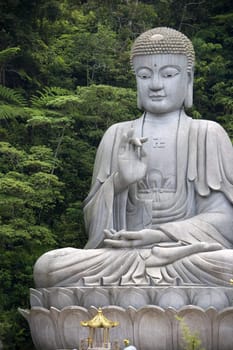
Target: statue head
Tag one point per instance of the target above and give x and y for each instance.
(171, 52)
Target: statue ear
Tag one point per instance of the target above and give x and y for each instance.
(188, 101)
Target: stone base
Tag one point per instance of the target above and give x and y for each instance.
(149, 322)
(176, 297)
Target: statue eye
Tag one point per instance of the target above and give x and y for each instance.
(170, 72)
(144, 73)
(143, 76)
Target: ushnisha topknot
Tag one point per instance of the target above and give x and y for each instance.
(163, 40)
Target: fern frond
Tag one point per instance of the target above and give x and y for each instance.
(12, 96)
(62, 102)
(8, 112)
(39, 120)
(7, 54)
(42, 113)
(48, 93)
(39, 101)
(56, 90)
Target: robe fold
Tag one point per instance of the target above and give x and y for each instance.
(200, 210)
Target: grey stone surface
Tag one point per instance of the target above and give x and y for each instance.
(165, 297)
(149, 328)
(159, 217)
(160, 205)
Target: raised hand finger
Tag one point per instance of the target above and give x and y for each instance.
(143, 139)
(130, 133)
(138, 141)
(135, 141)
(123, 144)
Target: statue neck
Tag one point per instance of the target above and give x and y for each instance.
(162, 118)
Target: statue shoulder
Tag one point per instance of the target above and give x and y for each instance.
(210, 163)
(210, 127)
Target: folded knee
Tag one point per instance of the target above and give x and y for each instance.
(41, 271)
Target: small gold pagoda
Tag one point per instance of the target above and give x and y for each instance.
(99, 321)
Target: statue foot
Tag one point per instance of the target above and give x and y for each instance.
(164, 255)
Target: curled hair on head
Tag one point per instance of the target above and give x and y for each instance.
(163, 40)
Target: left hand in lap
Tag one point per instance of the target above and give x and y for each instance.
(131, 239)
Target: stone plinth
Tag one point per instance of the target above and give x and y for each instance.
(147, 316)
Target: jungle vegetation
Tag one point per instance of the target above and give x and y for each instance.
(64, 78)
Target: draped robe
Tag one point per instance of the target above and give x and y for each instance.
(199, 211)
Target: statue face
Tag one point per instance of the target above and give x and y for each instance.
(162, 82)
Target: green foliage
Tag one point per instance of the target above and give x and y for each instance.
(7, 54)
(12, 104)
(45, 173)
(11, 96)
(191, 340)
(65, 78)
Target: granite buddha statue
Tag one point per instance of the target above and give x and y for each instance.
(159, 211)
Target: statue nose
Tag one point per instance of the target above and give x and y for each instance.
(156, 82)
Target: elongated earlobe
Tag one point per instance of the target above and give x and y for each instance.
(139, 102)
(188, 101)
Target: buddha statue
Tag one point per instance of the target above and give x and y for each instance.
(159, 211)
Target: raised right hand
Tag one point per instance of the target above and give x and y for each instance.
(131, 159)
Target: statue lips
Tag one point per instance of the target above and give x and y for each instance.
(157, 97)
